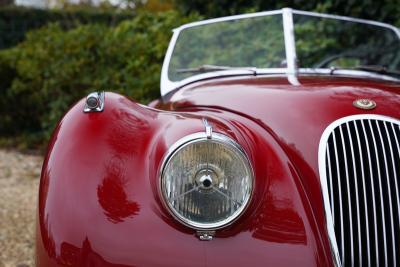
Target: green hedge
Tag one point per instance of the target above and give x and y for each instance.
(16, 21)
(43, 76)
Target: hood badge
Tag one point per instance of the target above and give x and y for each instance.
(364, 104)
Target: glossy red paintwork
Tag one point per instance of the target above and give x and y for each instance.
(99, 203)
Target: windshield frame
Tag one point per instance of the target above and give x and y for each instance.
(291, 71)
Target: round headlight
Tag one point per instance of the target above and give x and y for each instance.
(206, 183)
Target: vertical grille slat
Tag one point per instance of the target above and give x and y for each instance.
(349, 206)
(389, 194)
(395, 158)
(355, 179)
(364, 189)
(381, 199)
(393, 154)
(330, 182)
(342, 240)
(373, 193)
(360, 168)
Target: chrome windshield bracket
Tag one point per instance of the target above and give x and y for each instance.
(290, 46)
(208, 128)
(94, 102)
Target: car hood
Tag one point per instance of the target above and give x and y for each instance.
(296, 116)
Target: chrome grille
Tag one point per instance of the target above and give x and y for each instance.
(360, 170)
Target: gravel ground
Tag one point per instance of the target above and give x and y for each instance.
(19, 180)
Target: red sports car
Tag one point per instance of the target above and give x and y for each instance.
(275, 142)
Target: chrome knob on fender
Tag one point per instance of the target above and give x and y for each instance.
(94, 102)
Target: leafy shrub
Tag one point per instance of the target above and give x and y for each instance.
(52, 69)
(16, 21)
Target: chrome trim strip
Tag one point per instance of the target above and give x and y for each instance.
(340, 197)
(325, 193)
(330, 182)
(389, 192)
(167, 86)
(364, 191)
(323, 176)
(380, 191)
(187, 140)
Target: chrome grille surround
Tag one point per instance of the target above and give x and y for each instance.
(367, 216)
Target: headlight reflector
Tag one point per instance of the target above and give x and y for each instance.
(206, 183)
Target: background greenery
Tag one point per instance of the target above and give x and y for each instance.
(15, 22)
(383, 10)
(49, 59)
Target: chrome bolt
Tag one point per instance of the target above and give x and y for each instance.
(92, 102)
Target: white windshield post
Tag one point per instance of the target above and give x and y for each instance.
(290, 46)
(166, 85)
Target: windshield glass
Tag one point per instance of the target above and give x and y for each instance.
(277, 43)
(251, 42)
(326, 42)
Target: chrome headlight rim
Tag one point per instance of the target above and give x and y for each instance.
(177, 147)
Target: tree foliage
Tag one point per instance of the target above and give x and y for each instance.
(53, 69)
(384, 10)
(15, 22)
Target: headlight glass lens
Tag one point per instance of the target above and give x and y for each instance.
(207, 183)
